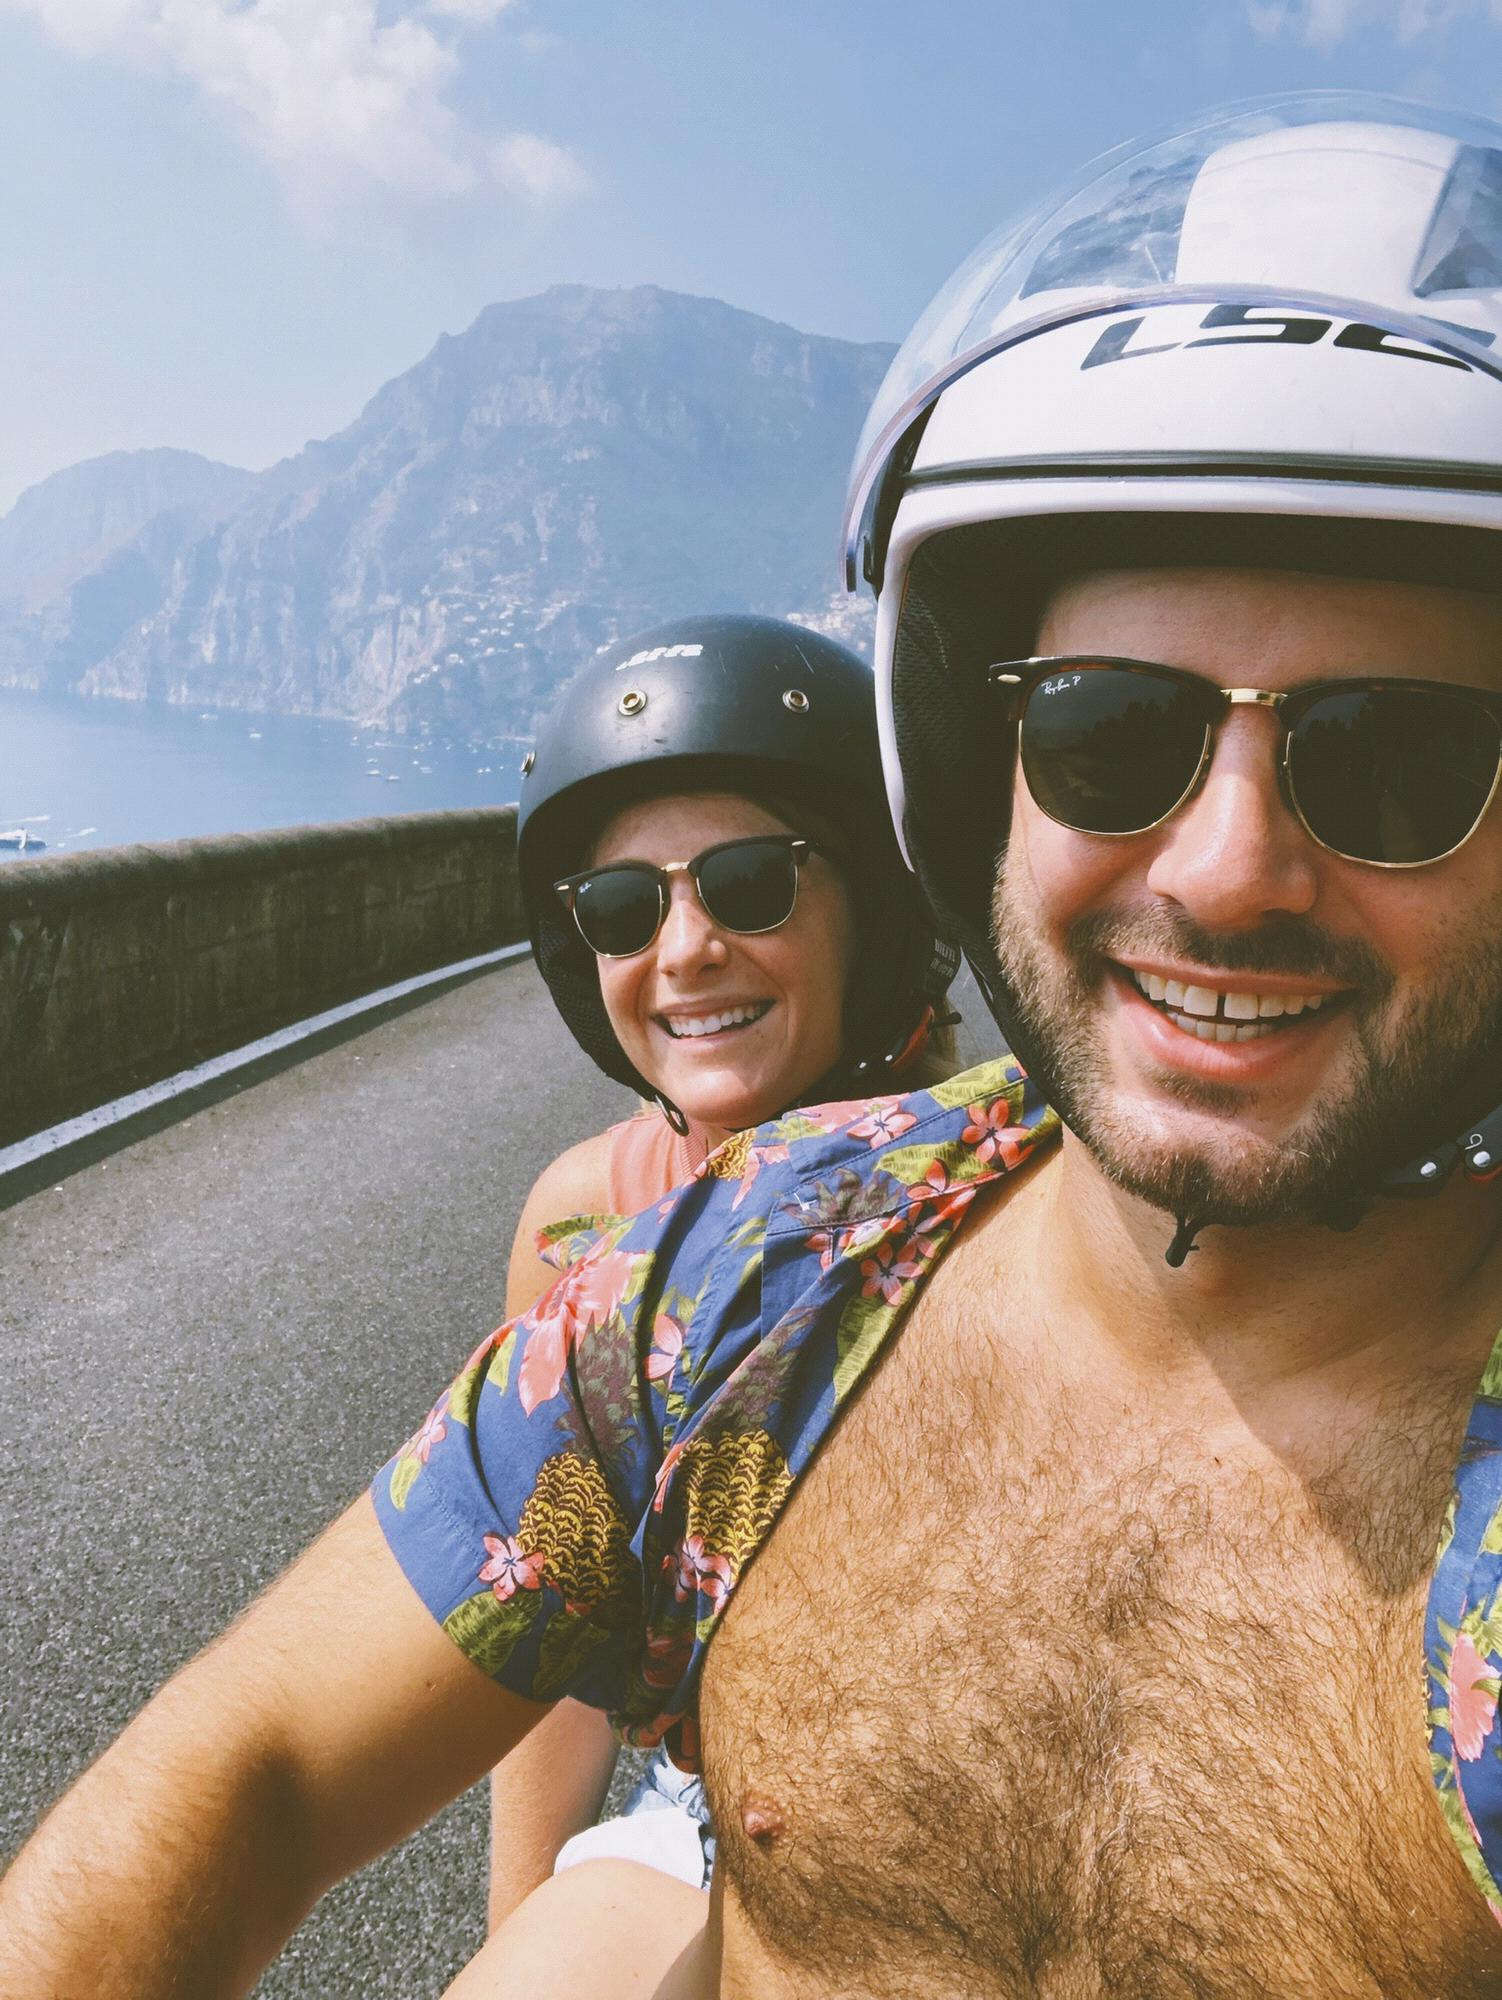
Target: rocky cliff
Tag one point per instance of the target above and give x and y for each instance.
(571, 467)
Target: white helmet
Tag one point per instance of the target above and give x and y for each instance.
(1279, 326)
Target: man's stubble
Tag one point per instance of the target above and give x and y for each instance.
(1415, 1065)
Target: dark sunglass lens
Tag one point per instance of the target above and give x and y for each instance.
(618, 910)
(1107, 750)
(1392, 774)
(750, 885)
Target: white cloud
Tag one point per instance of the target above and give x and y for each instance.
(326, 89)
(469, 10)
(1325, 24)
(537, 166)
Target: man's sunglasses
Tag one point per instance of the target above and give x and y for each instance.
(746, 885)
(1391, 772)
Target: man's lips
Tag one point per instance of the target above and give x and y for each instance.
(1230, 1007)
(1216, 1049)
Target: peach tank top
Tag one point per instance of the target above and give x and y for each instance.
(647, 1158)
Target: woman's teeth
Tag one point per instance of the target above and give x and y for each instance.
(1224, 1017)
(685, 1026)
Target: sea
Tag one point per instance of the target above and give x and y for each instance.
(77, 774)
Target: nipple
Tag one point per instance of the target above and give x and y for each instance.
(764, 1820)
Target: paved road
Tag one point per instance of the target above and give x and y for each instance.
(210, 1340)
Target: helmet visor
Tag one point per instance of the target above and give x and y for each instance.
(1387, 212)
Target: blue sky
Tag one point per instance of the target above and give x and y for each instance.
(227, 222)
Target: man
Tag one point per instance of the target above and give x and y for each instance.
(1094, 1627)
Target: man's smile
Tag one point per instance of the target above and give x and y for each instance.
(1224, 1027)
(1218, 1013)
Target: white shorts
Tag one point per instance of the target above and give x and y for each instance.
(665, 1825)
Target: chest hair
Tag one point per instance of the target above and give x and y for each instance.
(1019, 1700)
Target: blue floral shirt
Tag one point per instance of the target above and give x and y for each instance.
(577, 1508)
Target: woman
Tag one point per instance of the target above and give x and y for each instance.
(718, 906)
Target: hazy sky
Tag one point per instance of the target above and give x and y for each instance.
(227, 222)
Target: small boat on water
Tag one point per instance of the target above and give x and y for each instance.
(21, 838)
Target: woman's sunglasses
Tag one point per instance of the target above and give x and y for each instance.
(744, 885)
(1391, 772)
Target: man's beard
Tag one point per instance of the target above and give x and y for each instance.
(1410, 1078)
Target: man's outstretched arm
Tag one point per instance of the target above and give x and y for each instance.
(331, 1720)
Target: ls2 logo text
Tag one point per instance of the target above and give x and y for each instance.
(1262, 326)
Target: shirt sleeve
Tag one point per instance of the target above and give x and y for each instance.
(510, 1508)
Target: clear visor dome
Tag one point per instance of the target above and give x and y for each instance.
(1373, 208)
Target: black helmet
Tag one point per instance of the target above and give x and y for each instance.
(729, 702)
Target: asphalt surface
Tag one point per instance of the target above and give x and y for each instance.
(210, 1342)
(211, 1339)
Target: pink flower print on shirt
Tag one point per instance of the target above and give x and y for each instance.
(510, 1568)
(852, 1241)
(884, 1121)
(667, 1345)
(939, 1201)
(860, 1236)
(886, 1271)
(581, 1301)
(699, 1571)
(934, 1183)
(433, 1431)
(756, 1158)
(1473, 1698)
(824, 1242)
(991, 1135)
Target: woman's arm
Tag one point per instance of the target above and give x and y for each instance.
(556, 1786)
(550, 1787)
(577, 1183)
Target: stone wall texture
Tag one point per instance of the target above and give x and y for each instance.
(121, 967)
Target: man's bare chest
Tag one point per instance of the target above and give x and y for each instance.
(1021, 1700)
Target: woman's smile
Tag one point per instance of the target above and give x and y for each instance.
(713, 1023)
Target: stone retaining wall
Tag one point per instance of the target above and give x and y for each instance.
(119, 967)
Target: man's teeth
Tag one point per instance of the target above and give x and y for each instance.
(1224, 1017)
(689, 1025)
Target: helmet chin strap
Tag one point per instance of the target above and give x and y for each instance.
(1478, 1151)
(672, 1114)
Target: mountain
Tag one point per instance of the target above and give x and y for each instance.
(570, 468)
(60, 530)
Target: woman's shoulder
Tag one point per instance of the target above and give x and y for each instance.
(577, 1182)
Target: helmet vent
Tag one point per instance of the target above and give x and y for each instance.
(1463, 250)
(632, 702)
(796, 700)
(1130, 240)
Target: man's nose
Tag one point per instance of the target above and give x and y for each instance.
(689, 938)
(1235, 854)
